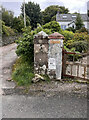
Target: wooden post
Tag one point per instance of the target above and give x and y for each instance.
(77, 70)
(84, 72)
(71, 69)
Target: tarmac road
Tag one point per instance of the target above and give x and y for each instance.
(57, 106)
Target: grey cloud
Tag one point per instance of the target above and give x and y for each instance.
(47, 3)
(81, 9)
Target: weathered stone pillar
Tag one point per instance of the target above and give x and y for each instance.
(48, 54)
(41, 53)
(55, 55)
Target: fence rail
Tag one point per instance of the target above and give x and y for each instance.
(78, 70)
(75, 69)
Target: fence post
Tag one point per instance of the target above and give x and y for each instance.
(84, 72)
(77, 70)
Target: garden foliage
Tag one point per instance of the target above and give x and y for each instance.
(79, 22)
(7, 31)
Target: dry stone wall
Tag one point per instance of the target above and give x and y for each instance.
(5, 40)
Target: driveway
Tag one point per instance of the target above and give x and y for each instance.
(7, 58)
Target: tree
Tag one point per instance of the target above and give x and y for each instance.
(33, 11)
(79, 22)
(18, 23)
(7, 17)
(50, 12)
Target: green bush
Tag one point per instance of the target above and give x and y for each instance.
(71, 29)
(38, 29)
(53, 26)
(68, 35)
(25, 45)
(81, 36)
(7, 31)
(79, 41)
(81, 46)
(83, 29)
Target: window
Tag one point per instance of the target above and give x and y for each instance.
(64, 16)
(73, 16)
(63, 27)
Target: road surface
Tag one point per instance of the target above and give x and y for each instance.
(7, 58)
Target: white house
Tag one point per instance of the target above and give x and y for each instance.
(68, 20)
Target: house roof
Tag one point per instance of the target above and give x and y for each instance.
(88, 5)
(70, 17)
(71, 22)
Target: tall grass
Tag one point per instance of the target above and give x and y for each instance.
(23, 72)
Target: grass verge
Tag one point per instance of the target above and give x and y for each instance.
(22, 72)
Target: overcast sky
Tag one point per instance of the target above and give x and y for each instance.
(72, 5)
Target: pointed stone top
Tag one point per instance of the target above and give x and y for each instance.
(41, 34)
(56, 35)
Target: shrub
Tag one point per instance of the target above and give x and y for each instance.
(79, 41)
(68, 35)
(71, 29)
(81, 46)
(25, 45)
(83, 29)
(81, 36)
(7, 31)
(53, 26)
